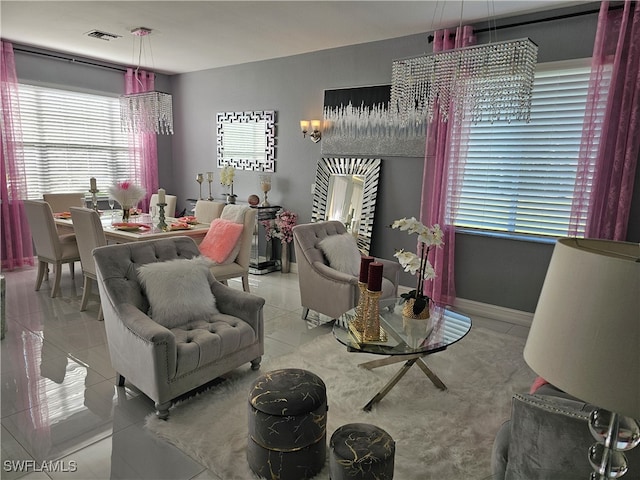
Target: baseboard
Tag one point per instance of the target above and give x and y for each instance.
(472, 307)
(504, 314)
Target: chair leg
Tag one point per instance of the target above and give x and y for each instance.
(42, 268)
(72, 269)
(305, 312)
(255, 363)
(56, 281)
(100, 315)
(245, 282)
(119, 380)
(86, 291)
(162, 410)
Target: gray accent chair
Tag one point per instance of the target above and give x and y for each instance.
(50, 247)
(167, 363)
(548, 438)
(324, 289)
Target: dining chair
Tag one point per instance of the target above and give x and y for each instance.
(207, 210)
(62, 202)
(171, 201)
(89, 235)
(50, 246)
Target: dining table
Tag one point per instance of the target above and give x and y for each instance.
(137, 228)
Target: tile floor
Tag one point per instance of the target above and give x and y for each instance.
(62, 416)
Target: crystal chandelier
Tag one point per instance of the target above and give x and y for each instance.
(481, 83)
(146, 112)
(149, 112)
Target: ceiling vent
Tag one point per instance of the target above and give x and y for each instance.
(106, 36)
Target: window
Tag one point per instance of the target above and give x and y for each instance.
(68, 138)
(519, 177)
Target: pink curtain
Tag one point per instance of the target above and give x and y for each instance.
(610, 142)
(445, 155)
(143, 147)
(17, 250)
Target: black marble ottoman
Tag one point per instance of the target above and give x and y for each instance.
(287, 425)
(360, 451)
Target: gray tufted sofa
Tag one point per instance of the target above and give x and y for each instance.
(163, 363)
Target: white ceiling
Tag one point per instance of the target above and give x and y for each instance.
(196, 35)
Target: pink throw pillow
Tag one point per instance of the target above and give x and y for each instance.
(221, 240)
(537, 383)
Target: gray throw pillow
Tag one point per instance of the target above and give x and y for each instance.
(178, 290)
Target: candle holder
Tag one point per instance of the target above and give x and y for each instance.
(210, 180)
(373, 332)
(200, 179)
(94, 198)
(161, 223)
(358, 321)
(265, 186)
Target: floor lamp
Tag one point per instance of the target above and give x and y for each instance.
(585, 340)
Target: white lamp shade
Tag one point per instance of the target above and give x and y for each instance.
(585, 335)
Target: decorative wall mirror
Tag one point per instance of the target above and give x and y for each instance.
(346, 190)
(246, 140)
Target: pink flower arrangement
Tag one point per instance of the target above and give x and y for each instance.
(282, 228)
(126, 193)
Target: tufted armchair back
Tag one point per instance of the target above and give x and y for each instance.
(322, 288)
(117, 265)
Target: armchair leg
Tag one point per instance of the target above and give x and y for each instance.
(305, 312)
(162, 410)
(255, 363)
(245, 282)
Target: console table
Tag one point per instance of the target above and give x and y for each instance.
(264, 256)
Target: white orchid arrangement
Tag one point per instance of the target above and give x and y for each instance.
(418, 264)
(226, 176)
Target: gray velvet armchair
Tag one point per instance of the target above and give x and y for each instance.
(163, 362)
(548, 438)
(323, 288)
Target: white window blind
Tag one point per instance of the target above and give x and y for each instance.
(69, 137)
(519, 178)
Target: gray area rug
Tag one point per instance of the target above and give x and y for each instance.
(439, 435)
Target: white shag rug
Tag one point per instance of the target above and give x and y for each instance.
(444, 435)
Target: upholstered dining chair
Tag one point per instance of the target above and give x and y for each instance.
(89, 235)
(236, 265)
(62, 202)
(333, 289)
(171, 327)
(171, 201)
(206, 210)
(50, 247)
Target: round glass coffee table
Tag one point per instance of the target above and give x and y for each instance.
(407, 340)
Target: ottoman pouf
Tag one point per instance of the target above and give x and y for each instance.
(361, 451)
(287, 425)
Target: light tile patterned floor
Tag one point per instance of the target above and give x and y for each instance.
(59, 401)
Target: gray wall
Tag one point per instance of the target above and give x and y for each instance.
(502, 272)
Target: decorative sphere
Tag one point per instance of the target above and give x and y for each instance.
(253, 199)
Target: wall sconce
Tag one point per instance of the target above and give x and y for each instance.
(315, 134)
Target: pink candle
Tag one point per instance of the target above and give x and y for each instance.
(364, 269)
(375, 277)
